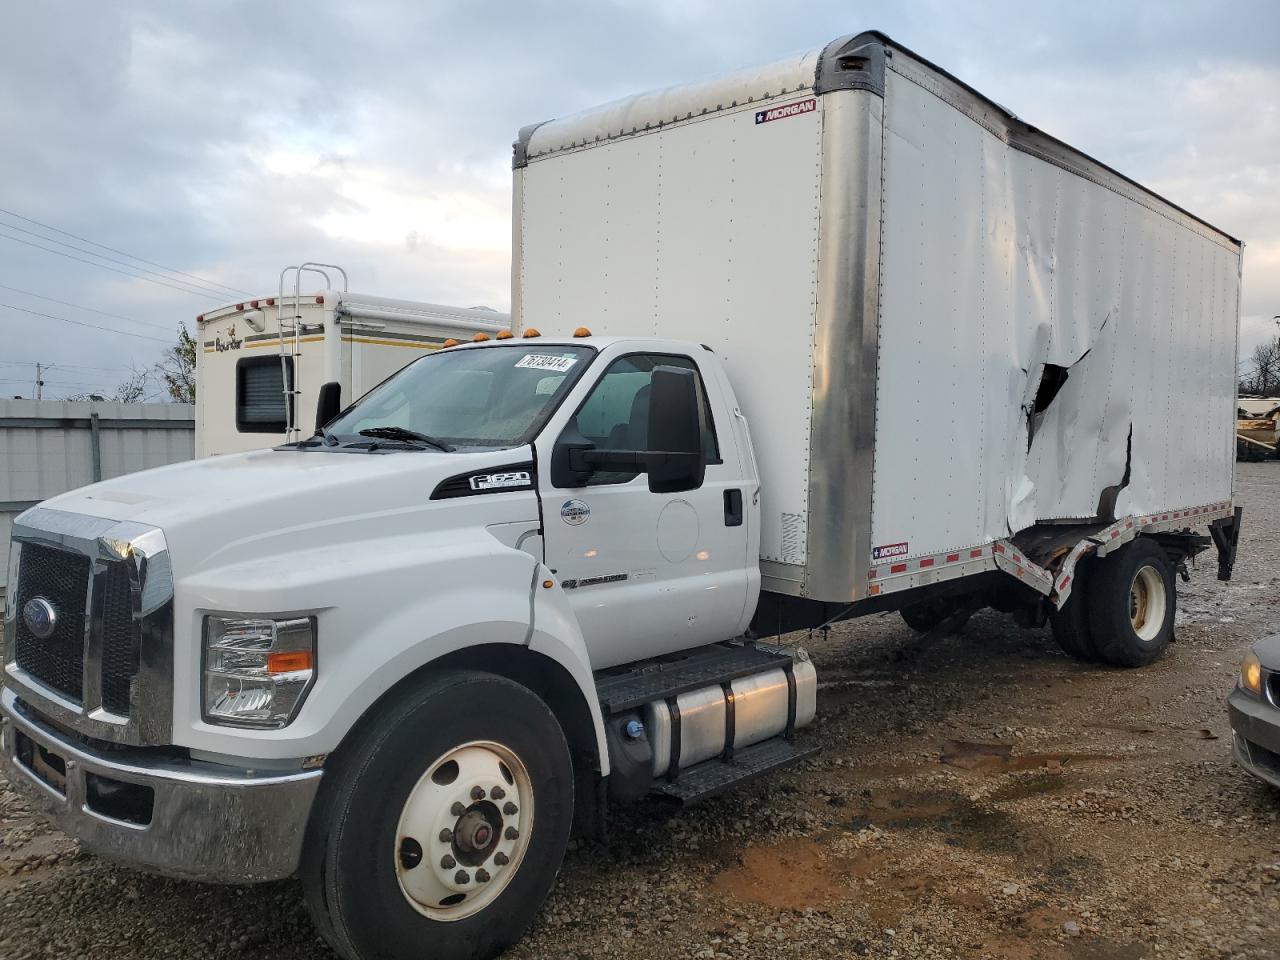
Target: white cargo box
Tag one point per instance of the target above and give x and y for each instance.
(943, 325)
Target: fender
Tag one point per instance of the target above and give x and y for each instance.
(384, 609)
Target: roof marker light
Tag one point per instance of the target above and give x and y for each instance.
(532, 332)
(582, 332)
(480, 338)
(503, 335)
(450, 343)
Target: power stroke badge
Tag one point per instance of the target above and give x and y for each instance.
(575, 512)
(787, 110)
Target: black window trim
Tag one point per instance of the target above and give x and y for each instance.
(715, 434)
(247, 363)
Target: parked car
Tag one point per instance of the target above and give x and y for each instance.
(1254, 708)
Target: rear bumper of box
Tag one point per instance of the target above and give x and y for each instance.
(168, 815)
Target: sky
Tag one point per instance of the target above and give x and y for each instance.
(225, 140)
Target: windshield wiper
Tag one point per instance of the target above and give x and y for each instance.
(407, 435)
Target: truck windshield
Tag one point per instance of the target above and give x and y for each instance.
(492, 396)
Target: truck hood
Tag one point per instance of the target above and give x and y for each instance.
(212, 508)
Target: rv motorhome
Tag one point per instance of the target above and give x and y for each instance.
(260, 363)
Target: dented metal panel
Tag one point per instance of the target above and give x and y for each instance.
(999, 269)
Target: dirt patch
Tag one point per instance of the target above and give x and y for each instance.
(792, 876)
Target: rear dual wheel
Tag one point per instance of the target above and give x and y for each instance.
(1121, 608)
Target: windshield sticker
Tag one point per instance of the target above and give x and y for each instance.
(545, 361)
(575, 512)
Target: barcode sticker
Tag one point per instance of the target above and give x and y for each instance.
(545, 361)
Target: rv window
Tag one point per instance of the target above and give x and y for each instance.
(260, 394)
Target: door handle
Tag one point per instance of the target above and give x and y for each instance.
(733, 508)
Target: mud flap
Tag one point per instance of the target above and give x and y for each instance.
(1226, 536)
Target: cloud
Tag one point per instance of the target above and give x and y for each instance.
(227, 139)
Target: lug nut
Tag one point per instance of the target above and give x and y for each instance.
(497, 793)
(477, 793)
(410, 853)
(446, 835)
(501, 859)
(510, 809)
(447, 862)
(461, 877)
(482, 875)
(457, 809)
(512, 833)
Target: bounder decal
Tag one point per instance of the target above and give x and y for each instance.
(575, 512)
(787, 110)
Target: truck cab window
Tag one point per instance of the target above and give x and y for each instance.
(615, 416)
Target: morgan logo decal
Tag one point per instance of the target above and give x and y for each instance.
(501, 481)
(575, 512)
(889, 550)
(787, 110)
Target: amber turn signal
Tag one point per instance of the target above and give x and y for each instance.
(289, 661)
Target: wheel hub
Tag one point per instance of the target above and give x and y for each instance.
(463, 830)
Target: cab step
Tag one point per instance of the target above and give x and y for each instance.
(671, 676)
(712, 777)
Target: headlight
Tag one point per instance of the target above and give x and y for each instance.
(1251, 673)
(257, 671)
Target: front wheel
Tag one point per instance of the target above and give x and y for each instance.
(1132, 602)
(441, 827)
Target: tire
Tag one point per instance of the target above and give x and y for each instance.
(1132, 603)
(927, 614)
(1071, 627)
(470, 754)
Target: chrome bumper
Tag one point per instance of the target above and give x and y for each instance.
(184, 818)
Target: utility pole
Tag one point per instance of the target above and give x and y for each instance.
(39, 382)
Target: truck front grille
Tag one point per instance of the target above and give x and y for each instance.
(121, 638)
(62, 579)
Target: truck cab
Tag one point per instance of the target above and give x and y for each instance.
(508, 547)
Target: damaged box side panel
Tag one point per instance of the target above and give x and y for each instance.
(1072, 349)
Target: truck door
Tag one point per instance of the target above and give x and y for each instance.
(647, 573)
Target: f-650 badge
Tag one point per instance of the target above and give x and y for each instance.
(501, 481)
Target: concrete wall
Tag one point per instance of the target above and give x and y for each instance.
(48, 447)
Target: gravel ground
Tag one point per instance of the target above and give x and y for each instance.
(1101, 820)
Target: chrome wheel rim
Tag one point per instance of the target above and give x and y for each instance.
(1148, 601)
(463, 831)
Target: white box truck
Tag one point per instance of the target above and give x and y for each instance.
(524, 577)
(260, 363)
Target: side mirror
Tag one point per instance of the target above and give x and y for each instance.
(329, 405)
(674, 457)
(677, 426)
